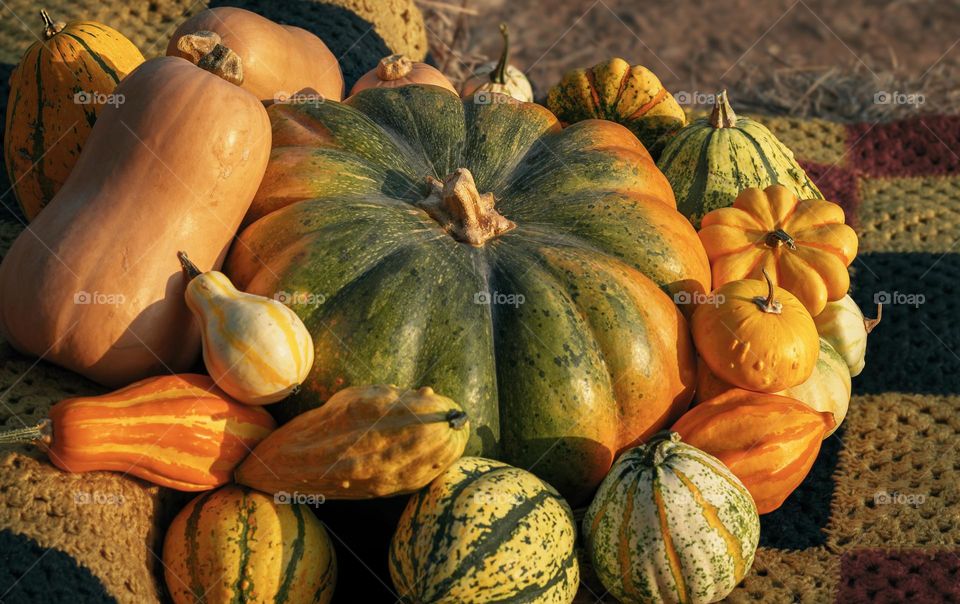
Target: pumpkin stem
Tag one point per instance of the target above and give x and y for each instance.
(50, 28)
(456, 418)
(462, 211)
(206, 51)
(769, 304)
(190, 269)
(870, 324)
(780, 237)
(42, 432)
(722, 115)
(499, 73)
(656, 448)
(394, 67)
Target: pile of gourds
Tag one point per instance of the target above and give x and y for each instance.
(533, 263)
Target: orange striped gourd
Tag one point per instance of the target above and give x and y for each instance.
(254, 347)
(234, 545)
(56, 93)
(768, 441)
(177, 431)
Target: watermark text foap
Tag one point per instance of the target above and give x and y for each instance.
(98, 298)
(899, 298)
(486, 97)
(303, 96)
(297, 498)
(97, 498)
(299, 298)
(84, 97)
(498, 299)
(698, 298)
(896, 97)
(895, 498)
(695, 97)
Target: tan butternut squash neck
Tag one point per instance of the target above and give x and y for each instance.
(50, 28)
(41, 433)
(206, 50)
(469, 217)
(394, 67)
(722, 115)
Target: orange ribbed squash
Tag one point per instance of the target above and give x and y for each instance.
(177, 431)
(400, 70)
(803, 244)
(768, 441)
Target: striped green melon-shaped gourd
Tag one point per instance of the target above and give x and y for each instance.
(712, 159)
(671, 523)
(484, 531)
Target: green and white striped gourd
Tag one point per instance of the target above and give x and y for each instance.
(712, 159)
(671, 523)
(484, 531)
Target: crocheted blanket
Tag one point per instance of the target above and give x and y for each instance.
(877, 519)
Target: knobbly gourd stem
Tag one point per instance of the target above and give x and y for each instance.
(780, 237)
(499, 73)
(190, 269)
(462, 211)
(42, 432)
(457, 419)
(769, 304)
(207, 52)
(394, 67)
(722, 115)
(870, 324)
(656, 448)
(50, 28)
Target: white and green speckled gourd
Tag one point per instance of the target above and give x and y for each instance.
(671, 524)
(712, 159)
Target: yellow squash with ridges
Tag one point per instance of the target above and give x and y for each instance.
(56, 93)
(236, 545)
(484, 531)
(255, 348)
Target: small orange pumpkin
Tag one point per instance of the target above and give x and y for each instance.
(399, 70)
(804, 244)
(756, 337)
(768, 441)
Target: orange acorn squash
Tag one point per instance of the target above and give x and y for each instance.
(803, 244)
(177, 431)
(60, 86)
(768, 441)
(95, 285)
(755, 336)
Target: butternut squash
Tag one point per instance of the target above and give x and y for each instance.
(94, 285)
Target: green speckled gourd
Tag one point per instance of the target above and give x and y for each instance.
(486, 252)
(671, 524)
(712, 159)
(482, 532)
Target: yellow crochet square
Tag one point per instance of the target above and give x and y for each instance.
(813, 140)
(896, 479)
(806, 576)
(909, 214)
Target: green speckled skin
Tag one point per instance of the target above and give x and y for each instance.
(580, 356)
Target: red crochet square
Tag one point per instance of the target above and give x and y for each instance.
(837, 184)
(920, 146)
(899, 576)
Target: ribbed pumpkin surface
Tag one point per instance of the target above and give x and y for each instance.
(482, 532)
(768, 441)
(178, 431)
(234, 546)
(670, 524)
(708, 164)
(56, 92)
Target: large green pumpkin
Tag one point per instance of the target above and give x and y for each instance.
(671, 524)
(484, 531)
(484, 251)
(712, 159)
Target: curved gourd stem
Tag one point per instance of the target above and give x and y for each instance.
(41, 433)
(50, 28)
(722, 115)
(456, 418)
(394, 67)
(499, 73)
(769, 304)
(207, 52)
(870, 324)
(190, 269)
(655, 453)
(462, 211)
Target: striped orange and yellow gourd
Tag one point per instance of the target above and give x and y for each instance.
(177, 431)
(768, 441)
(236, 545)
(670, 524)
(484, 531)
(56, 93)
(254, 347)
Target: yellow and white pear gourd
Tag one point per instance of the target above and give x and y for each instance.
(843, 325)
(499, 77)
(256, 349)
